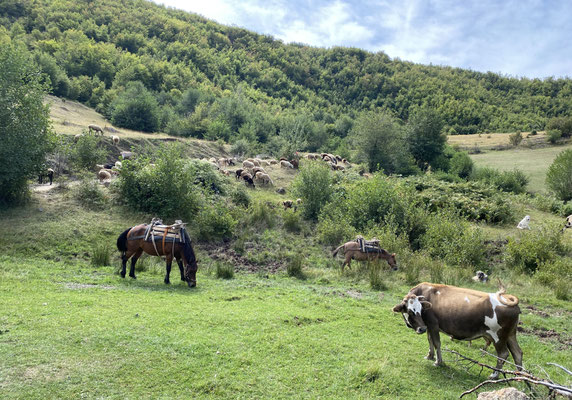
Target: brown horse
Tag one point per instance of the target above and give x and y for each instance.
(132, 243)
(352, 251)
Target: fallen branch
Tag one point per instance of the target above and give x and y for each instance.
(520, 376)
(561, 367)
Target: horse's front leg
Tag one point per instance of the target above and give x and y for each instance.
(133, 261)
(169, 262)
(180, 264)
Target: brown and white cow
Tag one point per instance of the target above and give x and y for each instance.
(464, 314)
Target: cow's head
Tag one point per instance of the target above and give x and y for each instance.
(411, 308)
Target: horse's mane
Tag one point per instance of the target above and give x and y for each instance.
(188, 249)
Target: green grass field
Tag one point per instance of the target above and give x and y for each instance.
(533, 162)
(72, 330)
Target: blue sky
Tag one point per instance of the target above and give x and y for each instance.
(524, 38)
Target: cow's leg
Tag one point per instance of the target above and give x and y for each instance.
(434, 333)
(133, 261)
(431, 354)
(515, 350)
(502, 355)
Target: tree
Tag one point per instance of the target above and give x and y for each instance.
(425, 135)
(381, 144)
(136, 108)
(559, 176)
(314, 186)
(25, 131)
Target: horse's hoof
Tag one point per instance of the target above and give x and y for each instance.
(123, 276)
(133, 276)
(167, 282)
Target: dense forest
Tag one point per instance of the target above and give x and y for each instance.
(153, 68)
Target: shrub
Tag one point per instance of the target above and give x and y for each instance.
(454, 241)
(376, 275)
(461, 164)
(292, 221)
(515, 138)
(314, 186)
(331, 231)
(534, 248)
(507, 181)
(86, 152)
(240, 196)
(203, 174)
(240, 148)
(559, 176)
(165, 190)
(556, 274)
(90, 194)
(294, 267)
(224, 270)
(553, 135)
(101, 255)
(215, 222)
(261, 215)
(563, 124)
(136, 108)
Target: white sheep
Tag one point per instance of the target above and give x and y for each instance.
(95, 129)
(76, 137)
(115, 140)
(286, 164)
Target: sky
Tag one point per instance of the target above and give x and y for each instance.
(518, 38)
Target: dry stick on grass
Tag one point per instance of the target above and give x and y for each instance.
(521, 376)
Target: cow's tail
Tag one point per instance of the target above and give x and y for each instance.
(336, 250)
(507, 299)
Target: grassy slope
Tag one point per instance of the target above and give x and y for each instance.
(70, 330)
(533, 162)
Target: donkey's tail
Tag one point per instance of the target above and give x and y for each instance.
(336, 250)
(122, 241)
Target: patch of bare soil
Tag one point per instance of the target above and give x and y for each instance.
(534, 310)
(223, 252)
(549, 335)
(494, 250)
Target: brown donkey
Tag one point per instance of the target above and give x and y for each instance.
(132, 243)
(353, 251)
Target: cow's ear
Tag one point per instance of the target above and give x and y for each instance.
(400, 308)
(426, 305)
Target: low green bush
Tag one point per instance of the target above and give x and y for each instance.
(90, 194)
(376, 275)
(292, 221)
(240, 196)
(313, 185)
(553, 135)
(87, 152)
(224, 270)
(101, 255)
(534, 248)
(461, 164)
(294, 267)
(559, 176)
(261, 215)
(215, 222)
(454, 241)
(556, 274)
(507, 181)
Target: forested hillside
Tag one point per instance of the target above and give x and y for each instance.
(194, 77)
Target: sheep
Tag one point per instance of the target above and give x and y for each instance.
(273, 162)
(238, 173)
(244, 173)
(286, 164)
(311, 156)
(118, 164)
(115, 140)
(295, 163)
(95, 129)
(248, 179)
(248, 164)
(287, 204)
(265, 178)
(524, 223)
(266, 163)
(568, 223)
(480, 276)
(258, 169)
(76, 137)
(126, 155)
(104, 174)
(298, 201)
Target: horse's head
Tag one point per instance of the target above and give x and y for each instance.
(191, 273)
(392, 261)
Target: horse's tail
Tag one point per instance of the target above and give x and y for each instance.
(122, 241)
(336, 250)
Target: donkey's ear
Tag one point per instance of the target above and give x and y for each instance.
(402, 307)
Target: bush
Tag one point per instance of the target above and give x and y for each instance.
(563, 124)
(515, 138)
(331, 231)
(553, 135)
(86, 152)
(90, 194)
(165, 190)
(507, 181)
(240, 148)
(101, 255)
(294, 267)
(261, 215)
(556, 274)
(215, 222)
(313, 185)
(224, 270)
(136, 108)
(461, 164)
(559, 176)
(454, 241)
(240, 196)
(376, 275)
(292, 221)
(534, 248)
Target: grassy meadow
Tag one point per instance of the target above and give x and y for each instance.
(72, 329)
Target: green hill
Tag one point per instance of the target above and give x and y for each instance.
(208, 80)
